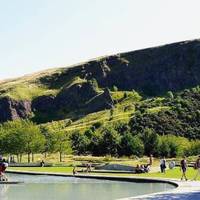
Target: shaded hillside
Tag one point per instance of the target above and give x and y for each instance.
(152, 71)
(79, 90)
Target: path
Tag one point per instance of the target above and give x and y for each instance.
(189, 190)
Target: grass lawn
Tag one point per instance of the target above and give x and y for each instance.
(174, 174)
(171, 173)
(44, 169)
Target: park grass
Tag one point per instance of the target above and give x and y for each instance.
(170, 173)
(44, 169)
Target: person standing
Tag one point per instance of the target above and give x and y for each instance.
(162, 165)
(151, 160)
(74, 171)
(183, 168)
(197, 166)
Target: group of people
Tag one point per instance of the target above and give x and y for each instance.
(146, 167)
(142, 169)
(183, 167)
(3, 166)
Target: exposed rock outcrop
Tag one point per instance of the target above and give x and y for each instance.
(13, 109)
(75, 96)
(100, 102)
(44, 104)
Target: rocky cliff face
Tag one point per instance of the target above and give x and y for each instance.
(11, 109)
(100, 102)
(152, 71)
(76, 96)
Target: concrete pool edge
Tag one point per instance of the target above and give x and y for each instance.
(102, 177)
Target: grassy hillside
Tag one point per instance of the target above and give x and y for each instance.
(27, 87)
(154, 88)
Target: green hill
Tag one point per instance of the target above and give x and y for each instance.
(156, 88)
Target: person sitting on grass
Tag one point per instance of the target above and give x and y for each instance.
(142, 169)
(183, 168)
(147, 168)
(138, 170)
(197, 166)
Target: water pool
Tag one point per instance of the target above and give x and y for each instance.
(41, 187)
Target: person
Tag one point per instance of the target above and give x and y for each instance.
(3, 166)
(172, 164)
(162, 165)
(183, 168)
(74, 170)
(151, 160)
(197, 166)
(42, 163)
(88, 167)
(137, 169)
(146, 168)
(142, 168)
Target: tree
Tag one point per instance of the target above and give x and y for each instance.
(58, 141)
(172, 146)
(131, 145)
(32, 137)
(22, 136)
(110, 141)
(79, 143)
(163, 149)
(151, 141)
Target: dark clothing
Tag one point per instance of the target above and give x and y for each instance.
(184, 165)
(163, 165)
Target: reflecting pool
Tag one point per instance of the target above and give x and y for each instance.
(65, 188)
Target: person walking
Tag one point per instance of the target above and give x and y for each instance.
(183, 168)
(197, 167)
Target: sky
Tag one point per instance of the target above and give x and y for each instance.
(41, 34)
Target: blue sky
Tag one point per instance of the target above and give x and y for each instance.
(41, 34)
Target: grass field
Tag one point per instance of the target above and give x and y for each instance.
(44, 169)
(172, 174)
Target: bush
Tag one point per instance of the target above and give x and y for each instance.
(173, 146)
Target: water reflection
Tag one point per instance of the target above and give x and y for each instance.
(64, 188)
(3, 191)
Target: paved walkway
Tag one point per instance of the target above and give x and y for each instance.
(189, 190)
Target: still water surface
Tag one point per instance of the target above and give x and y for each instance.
(64, 188)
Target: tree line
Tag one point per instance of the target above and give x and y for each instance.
(24, 137)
